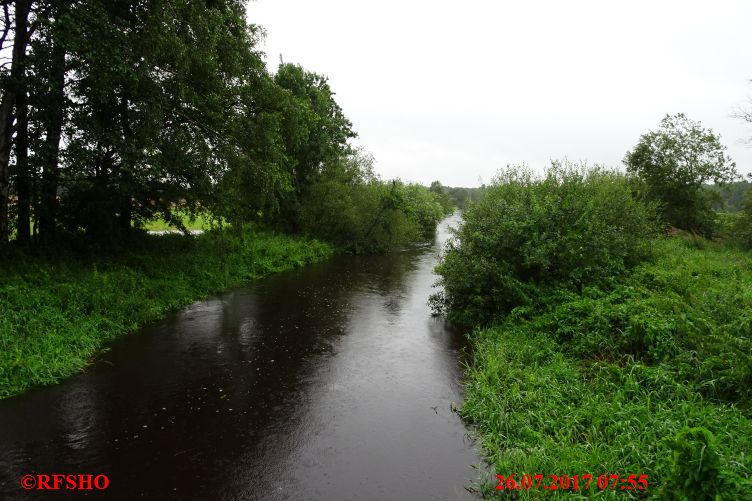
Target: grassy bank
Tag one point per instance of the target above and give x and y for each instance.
(652, 376)
(57, 312)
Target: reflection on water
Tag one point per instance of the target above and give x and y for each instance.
(328, 382)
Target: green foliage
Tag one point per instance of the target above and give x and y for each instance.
(352, 207)
(742, 229)
(158, 90)
(162, 108)
(315, 133)
(189, 222)
(60, 311)
(731, 195)
(539, 411)
(602, 361)
(529, 236)
(697, 472)
(675, 162)
(258, 175)
(614, 382)
(690, 307)
(442, 192)
(463, 197)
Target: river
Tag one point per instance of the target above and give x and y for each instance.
(328, 382)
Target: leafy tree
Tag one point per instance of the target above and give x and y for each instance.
(461, 197)
(675, 162)
(426, 208)
(158, 86)
(315, 132)
(117, 112)
(731, 196)
(258, 178)
(49, 108)
(442, 193)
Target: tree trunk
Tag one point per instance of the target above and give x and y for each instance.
(23, 176)
(124, 218)
(7, 119)
(6, 125)
(51, 150)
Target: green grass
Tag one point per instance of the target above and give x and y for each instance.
(653, 377)
(201, 222)
(58, 312)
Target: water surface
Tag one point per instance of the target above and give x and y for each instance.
(328, 382)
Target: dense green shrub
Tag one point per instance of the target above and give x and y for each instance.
(352, 207)
(528, 236)
(697, 472)
(691, 308)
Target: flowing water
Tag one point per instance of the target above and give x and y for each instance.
(329, 382)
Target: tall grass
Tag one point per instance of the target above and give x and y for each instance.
(57, 312)
(653, 377)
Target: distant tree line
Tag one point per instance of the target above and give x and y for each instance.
(729, 197)
(116, 112)
(457, 196)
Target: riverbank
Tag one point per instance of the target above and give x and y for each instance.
(297, 385)
(652, 377)
(60, 309)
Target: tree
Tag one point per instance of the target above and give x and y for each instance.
(442, 195)
(158, 86)
(13, 85)
(259, 175)
(674, 162)
(49, 104)
(315, 131)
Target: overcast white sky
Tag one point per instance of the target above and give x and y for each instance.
(455, 90)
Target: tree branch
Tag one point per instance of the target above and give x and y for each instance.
(6, 28)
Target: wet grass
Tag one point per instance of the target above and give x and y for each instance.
(60, 307)
(651, 377)
(199, 222)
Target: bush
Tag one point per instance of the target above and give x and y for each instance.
(697, 471)
(358, 211)
(529, 236)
